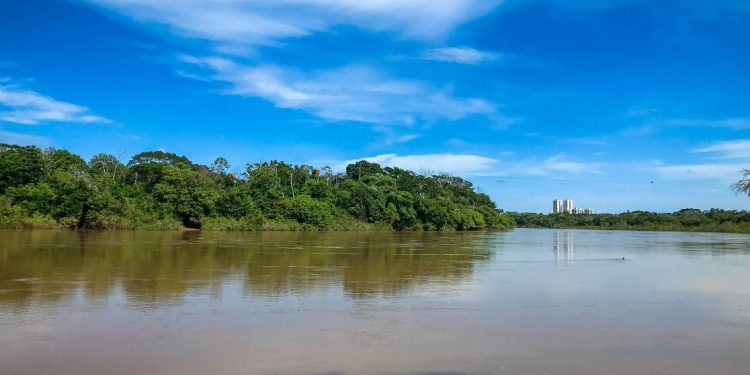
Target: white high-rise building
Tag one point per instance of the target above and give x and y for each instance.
(557, 206)
(568, 206)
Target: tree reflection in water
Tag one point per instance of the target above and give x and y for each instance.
(162, 267)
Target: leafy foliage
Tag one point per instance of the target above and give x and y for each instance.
(157, 189)
(20, 165)
(743, 186)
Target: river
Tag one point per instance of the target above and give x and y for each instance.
(528, 301)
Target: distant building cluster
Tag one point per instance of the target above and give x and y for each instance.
(562, 205)
(566, 206)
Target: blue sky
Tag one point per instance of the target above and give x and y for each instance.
(618, 105)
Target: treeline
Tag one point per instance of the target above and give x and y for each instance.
(689, 220)
(161, 190)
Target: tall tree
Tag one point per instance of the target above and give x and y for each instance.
(20, 165)
(190, 194)
(743, 185)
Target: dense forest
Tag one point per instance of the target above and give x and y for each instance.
(160, 190)
(689, 219)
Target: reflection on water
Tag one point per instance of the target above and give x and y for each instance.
(49, 266)
(374, 303)
(563, 245)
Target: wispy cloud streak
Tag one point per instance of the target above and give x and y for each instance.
(472, 165)
(350, 93)
(736, 123)
(23, 139)
(714, 171)
(460, 55)
(267, 22)
(739, 149)
(22, 106)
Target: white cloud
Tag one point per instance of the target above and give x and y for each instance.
(713, 171)
(736, 123)
(350, 93)
(639, 131)
(23, 139)
(730, 149)
(458, 164)
(649, 128)
(558, 165)
(641, 112)
(406, 138)
(28, 107)
(232, 23)
(461, 55)
(470, 165)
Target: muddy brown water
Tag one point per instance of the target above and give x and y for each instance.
(521, 302)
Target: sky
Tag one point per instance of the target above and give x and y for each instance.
(619, 105)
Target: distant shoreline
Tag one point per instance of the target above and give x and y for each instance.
(371, 230)
(685, 220)
(295, 227)
(601, 229)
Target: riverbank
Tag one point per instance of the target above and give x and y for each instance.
(686, 220)
(711, 229)
(221, 224)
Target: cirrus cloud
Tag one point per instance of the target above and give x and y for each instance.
(351, 93)
(472, 165)
(739, 149)
(22, 106)
(711, 171)
(231, 23)
(460, 55)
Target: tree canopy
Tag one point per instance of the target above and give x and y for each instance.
(743, 185)
(157, 189)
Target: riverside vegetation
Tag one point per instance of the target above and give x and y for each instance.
(686, 220)
(159, 190)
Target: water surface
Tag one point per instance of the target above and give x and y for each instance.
(522, 302)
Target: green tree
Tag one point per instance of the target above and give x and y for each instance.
(20, 165)
(161, 190)
(365, 203)
(107, 165)
(190, 194)
(306, 210)
(64, 160)
(149, 166)
(219, 166)
(9, 213)
(319, 189)
(236, 202)
(405, 213)
(743, 185)
(361, 169)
